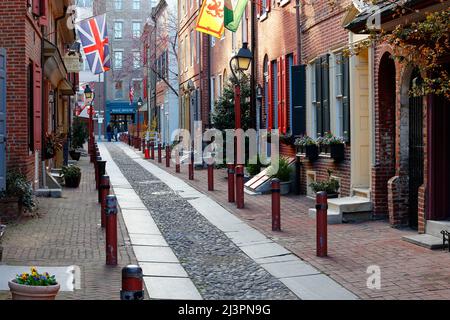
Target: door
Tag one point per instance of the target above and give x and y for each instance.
(415, 152)
(2, 119)
(360, 120)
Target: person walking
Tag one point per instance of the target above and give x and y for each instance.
(116, 132)
(108, 132)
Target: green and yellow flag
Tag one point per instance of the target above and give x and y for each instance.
(234, 9)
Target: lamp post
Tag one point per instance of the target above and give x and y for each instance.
(140, 103)
(89, 96)
(242, 62)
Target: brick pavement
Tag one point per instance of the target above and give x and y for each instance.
(407, 271)
(67, 232)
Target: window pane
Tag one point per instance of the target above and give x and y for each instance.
(118, 4)
(136, 29)
(118, 58)
(136, 4)
(118, 28)
(136, 60)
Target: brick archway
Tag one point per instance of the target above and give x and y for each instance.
(385, 133)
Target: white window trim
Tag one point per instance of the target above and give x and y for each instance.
(263, 16)
(140, 5)
(118, 50)
(282, 3)
(333, 108)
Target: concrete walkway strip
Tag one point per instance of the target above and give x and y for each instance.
(304, 280)
(164, 276)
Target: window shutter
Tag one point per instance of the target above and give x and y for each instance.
(259, 10)
(346, 99)
(298, 100)
(270, 102)
(36, 7)
(319, 126)
(37, 105)
(285, 94)
(43, 20)
(280, 91)
(325, 94)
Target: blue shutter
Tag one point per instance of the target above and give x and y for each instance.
(2, 119)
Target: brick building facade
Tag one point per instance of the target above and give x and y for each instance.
(36, 37)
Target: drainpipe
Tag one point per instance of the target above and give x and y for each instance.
(299, 32)
(253, 64)
(209, 79)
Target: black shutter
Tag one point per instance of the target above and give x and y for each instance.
(346, 99)
(325, 94)
(319, 123)
(298, 100)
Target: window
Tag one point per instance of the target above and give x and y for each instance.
(192, 47)
(181, 56)
(30, 107)
(136, 29)
(118, 59)
(213, 93)
(136, 59)
(118, 29)
(185, 52)
(321, 95)
(198, 47)
(118, 4)
(342, 97)
(118, 94)
(213, 41)
(136, 4)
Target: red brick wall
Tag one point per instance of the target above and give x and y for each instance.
(22, 39)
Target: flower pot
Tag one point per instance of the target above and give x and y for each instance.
(10, 209)
(285, 187)
(24, 292)
(72, 182)
(332, 195)
(337, 152)
(312, 152)
(75, 155)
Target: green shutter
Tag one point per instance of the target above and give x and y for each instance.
(346, 98)
(319, 126)
(325, 93)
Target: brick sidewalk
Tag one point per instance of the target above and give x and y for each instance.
(67, 232)
(407, 271)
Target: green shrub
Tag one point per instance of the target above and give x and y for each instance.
(284, 171)
(17, 186)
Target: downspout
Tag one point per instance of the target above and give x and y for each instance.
(253, 65)
(299, 32)
(44, 180)
(209, 80)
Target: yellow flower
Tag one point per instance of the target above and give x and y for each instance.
(33, 270)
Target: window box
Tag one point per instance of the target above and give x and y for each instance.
(337, 152)
(312, 152)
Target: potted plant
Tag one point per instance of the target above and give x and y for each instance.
(34, 286)
(287, 139)
(330, 186)
(283, 174)
(17, 197)
(53, 143)
(79, 136)
(72, 176)
(309, 146)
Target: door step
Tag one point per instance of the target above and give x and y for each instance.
(346, 206)
(361, 192)
(425, 240)
(434, 227)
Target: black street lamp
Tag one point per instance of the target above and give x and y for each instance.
(140, 103)
(89, 97)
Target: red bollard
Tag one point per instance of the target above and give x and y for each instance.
(132, 283)
(167, 156)
(210, 177)
(111, 230)
(96, 171)
(276, 223)
(177, 162)
(230, 183)
(159, 153)
(240, 186)
(152, 147)
(101, 172)
(191, 167)
(146, 153)
(104, 192)
(321, 223)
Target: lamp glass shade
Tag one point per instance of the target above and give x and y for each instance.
(88, 94)
(243, 63)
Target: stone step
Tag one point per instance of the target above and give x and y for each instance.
(424, 240)
(434, 228)
(361, 192)
(350, 204)
(333, 217)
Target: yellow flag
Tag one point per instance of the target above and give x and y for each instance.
(210, 19)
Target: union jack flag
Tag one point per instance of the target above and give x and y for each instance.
(94, 39)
